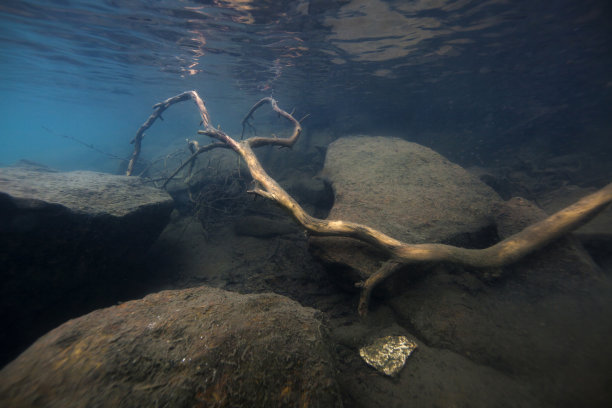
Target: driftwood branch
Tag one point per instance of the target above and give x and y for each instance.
(159, 108)
(262, 141)
(503, 253)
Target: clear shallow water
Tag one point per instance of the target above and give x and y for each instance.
(486, 74)
(520, 84)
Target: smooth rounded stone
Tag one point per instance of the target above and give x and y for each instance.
(184, 348)
(405, 190)
(69, 242)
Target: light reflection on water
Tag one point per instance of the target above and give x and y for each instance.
(465, 64)
(263, 44)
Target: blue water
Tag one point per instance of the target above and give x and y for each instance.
(487, 75)
(517, 91)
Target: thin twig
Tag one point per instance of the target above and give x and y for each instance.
(88, 145)
(195, 154)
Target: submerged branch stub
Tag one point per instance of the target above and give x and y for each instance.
(387, 269)
(400, 253)
(262, 141)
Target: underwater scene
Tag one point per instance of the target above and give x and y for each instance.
(306, 203)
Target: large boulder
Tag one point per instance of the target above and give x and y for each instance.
(194, 347)
(540, 327)
(405, 190)
(69, 242)
(547, 320)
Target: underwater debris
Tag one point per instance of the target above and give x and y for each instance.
(388, 354)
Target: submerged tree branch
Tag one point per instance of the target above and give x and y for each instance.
(503, 253)
(159, 108)
(262, 141)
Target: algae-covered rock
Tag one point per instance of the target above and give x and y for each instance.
(195, 347)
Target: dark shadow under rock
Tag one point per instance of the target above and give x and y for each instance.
(193, 347)
(70, 242)
(558, 344)
(264, 227)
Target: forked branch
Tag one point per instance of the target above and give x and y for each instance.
(159, 108)
(503, 253)
(261, 141)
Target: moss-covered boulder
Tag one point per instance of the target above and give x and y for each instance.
(199, 347)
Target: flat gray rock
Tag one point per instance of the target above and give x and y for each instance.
(83, 192)
(185, 348)
(69, 242)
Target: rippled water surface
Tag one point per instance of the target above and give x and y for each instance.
(503, 71)
(517, 92)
